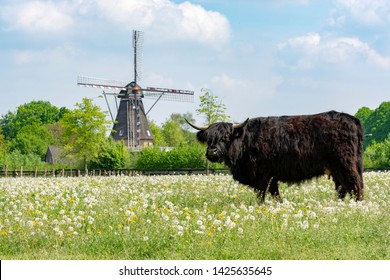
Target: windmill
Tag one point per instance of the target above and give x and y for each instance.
(131, 124)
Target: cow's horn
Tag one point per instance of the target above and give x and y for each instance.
(240, 125)
(197, 127)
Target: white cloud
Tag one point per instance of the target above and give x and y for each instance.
(368, 12)
(228, 82)
(185, 20)
(37, 16)
(237, 90)
(165, 18)
(59, 55)
(310, 42)
(312, 48)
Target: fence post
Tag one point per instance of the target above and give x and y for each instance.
(36, 172)
(6, 170)
(78, 172)
(21, 171)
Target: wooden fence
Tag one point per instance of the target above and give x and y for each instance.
(20, 172)
(118, 172)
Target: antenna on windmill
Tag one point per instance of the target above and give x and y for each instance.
(131, 124)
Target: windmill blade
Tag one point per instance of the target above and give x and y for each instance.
(100, 83)
(138, 39)
(167, 94)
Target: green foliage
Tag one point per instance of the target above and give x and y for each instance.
(179, 157)
(173, 134)
(56, 131)
(363, 114)
(211, 108)
(377, 155)
(159, 140)
(181, 120)
(112, 155)
(84, 130)
(27, 134)
(35, 112)
(184, 156)
(33, 138)
(15, 159)
(3, 143)
(376, 123)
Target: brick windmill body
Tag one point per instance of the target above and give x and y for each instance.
(131, 123)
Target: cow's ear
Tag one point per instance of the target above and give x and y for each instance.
(237, 132)
(201, 136)
(239, 128)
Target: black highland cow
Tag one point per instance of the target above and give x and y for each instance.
(262, 151)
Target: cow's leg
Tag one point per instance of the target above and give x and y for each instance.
(341, 191)
(274, 189)
(260, 195)
(261, 187)
(348, 180)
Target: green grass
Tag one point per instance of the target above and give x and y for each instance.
(189, 217)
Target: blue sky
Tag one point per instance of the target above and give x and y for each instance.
(261, 58)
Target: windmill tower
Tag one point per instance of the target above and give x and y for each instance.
(131, 124)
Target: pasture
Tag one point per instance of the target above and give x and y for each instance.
(189, 217)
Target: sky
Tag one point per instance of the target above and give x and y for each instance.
(261, 58)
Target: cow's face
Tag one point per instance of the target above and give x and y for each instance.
(218, 137)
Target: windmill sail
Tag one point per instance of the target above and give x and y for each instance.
(138, 39)
(86, 81)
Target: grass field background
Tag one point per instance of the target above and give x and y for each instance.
(189, 217)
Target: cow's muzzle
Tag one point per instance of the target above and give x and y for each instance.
(212, 154)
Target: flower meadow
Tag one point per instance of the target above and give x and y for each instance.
(189, 217)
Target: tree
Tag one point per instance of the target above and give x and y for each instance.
(3, 147)
(158, 140)
(363, 114)
(84, 130)
(112, 155)
(184, 126)
(173, 134)
(56, 130)
(377, 155)
(35, 112)
(376, 123)
(32, 139)
(181, 120)
(211, 108)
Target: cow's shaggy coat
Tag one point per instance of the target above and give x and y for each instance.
(262, 151)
